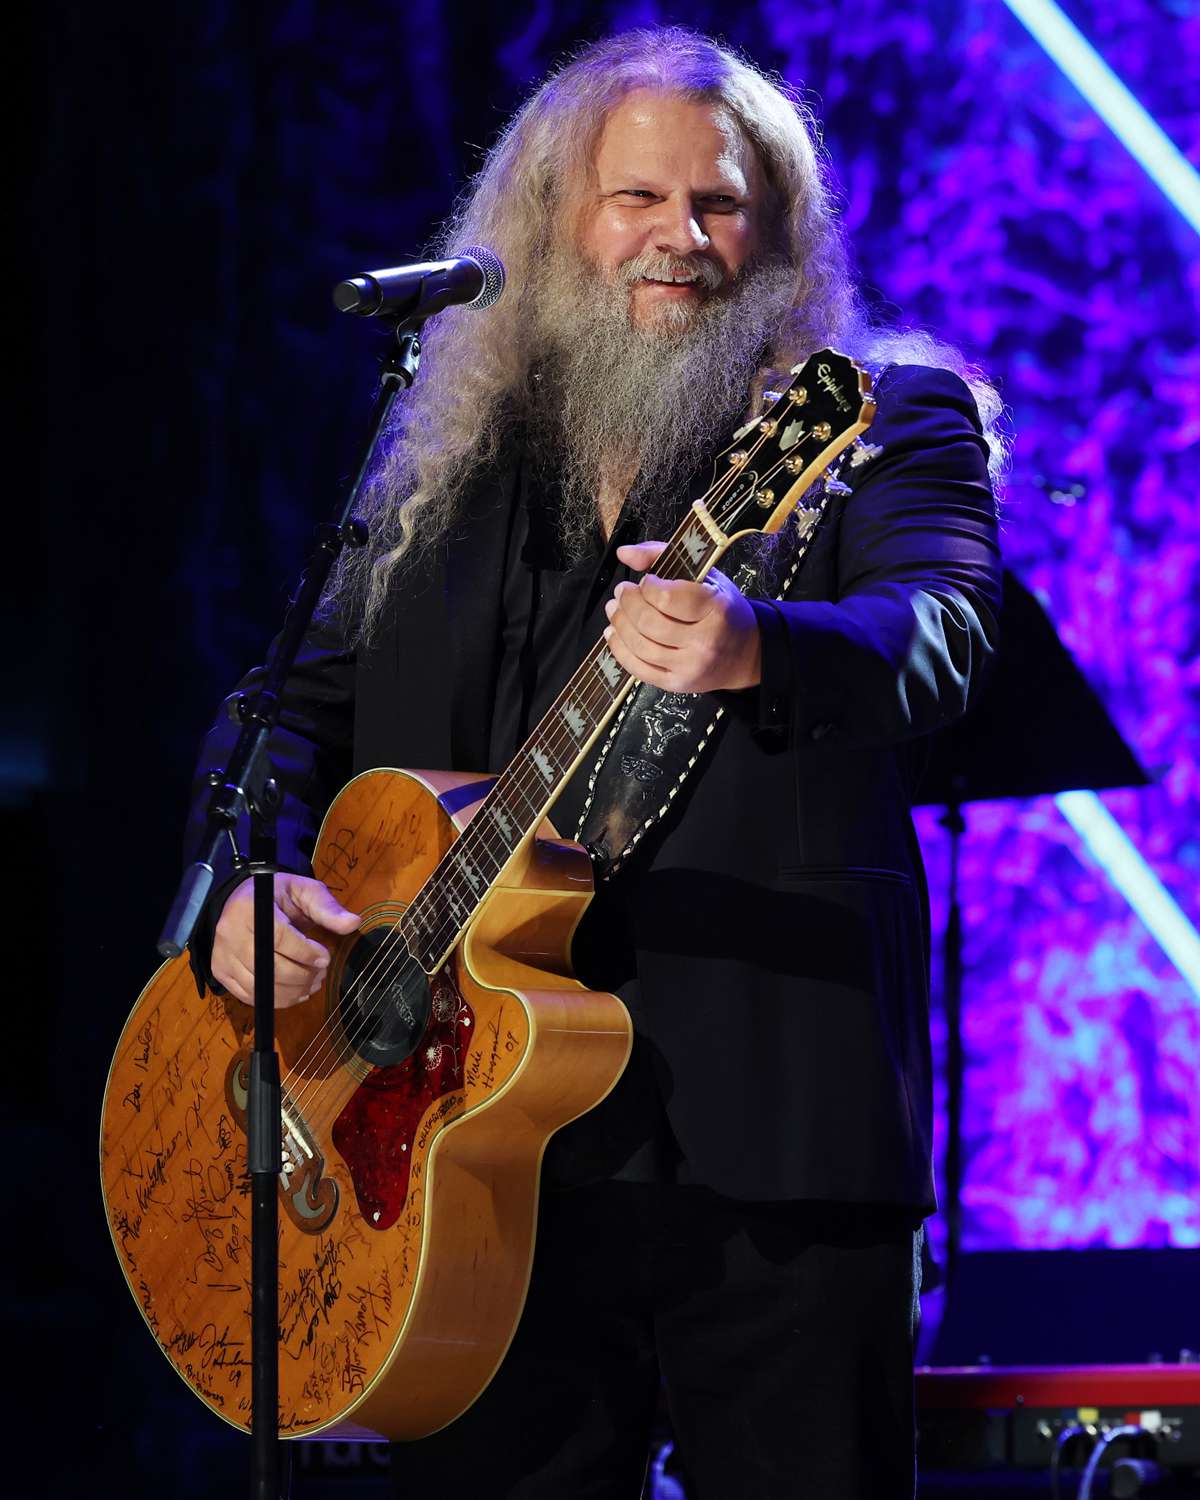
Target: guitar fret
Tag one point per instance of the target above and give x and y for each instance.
(483, 860)
(510, 785)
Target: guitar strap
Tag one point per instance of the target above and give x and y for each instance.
(655, 742)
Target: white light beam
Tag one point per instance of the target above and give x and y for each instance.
(1142, 136)
(1122, 862)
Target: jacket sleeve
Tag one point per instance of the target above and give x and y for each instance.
(311, 757)
(899, 652)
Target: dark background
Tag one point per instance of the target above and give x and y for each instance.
(189, 404)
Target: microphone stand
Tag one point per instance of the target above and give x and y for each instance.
(952, 993)
(247, 786)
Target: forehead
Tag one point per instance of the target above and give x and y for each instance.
(653, 135)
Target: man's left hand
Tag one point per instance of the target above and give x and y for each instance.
(684, 637)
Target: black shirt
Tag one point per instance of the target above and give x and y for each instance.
(552, 613)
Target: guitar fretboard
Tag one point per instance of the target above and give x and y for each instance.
(514, 808)
(825, 404)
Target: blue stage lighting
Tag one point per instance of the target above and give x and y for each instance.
(1146, 141)
(1136, 881)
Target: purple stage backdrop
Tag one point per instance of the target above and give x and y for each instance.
(988, 201)
(994, 205)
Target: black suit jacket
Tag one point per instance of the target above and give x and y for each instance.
(778, 921)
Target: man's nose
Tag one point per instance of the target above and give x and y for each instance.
(678, 230)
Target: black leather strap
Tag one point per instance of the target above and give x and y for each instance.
(654, 743)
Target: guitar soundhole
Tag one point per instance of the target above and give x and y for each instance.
(383, 998)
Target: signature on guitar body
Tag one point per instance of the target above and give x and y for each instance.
(421, 1083)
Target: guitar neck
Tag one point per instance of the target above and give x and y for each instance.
(758, 481)
(514, 809)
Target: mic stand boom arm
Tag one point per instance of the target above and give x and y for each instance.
(246, 785)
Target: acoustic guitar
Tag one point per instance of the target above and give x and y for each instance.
(423, 1081)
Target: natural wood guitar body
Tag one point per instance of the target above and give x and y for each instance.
(449, 1042)
(409, 1198)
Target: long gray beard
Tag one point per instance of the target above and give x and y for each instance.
(642, 406)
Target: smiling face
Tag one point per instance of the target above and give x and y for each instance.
(674, 206)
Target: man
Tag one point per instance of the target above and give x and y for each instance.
(741, 1216)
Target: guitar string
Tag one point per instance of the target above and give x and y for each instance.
(520, 782)
(440, 888)
(417, 912)
(553, 742)
(671, 557)
(395, 955)
(440, 937)
(337, 1048)
(300, 1101)
(486, 846)
(442, 876)
(458, 854)
(727, 481)
(445, 875)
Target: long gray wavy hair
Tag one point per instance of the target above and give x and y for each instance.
(476, 377)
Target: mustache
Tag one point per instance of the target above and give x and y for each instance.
(611, 397)
(659, 265)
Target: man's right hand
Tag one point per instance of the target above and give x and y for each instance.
(302, 906)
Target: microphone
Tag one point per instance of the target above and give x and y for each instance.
(475, 278)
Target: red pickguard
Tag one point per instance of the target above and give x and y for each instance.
(375, 1132)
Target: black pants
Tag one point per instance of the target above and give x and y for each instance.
(783, 1334)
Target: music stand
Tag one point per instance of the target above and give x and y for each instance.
(1037, 729)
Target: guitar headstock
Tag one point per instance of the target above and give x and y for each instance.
(759, 478)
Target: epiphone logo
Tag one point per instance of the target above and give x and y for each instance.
(826, 378)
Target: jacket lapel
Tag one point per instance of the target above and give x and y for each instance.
(475, 569)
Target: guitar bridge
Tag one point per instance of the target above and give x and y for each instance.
(308, 1197)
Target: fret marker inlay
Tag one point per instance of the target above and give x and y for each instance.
(610, 669)
(695, 545)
